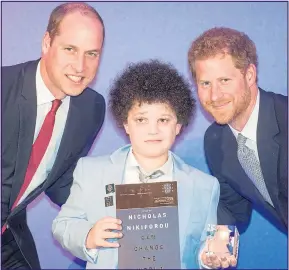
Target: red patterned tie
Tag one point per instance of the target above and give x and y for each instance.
(38, 150)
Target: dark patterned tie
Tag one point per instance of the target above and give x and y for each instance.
(251, 166)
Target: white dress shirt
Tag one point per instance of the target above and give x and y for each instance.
(132, 170)
(44, 103)
(250, 129)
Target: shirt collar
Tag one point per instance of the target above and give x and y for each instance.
(42, 92)
(166, 168)
(250, 129)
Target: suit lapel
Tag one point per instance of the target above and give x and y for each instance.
(72, 127)
(185, 191)
(113, 174)
(27, 111)
(268, 148)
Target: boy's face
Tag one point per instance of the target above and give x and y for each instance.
(152, 129)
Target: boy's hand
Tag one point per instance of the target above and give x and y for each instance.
(102, 230)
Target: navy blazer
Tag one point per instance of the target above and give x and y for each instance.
(238, 193)
(19, 107)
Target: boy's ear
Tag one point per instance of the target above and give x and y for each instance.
(178, 129)
(125, 125)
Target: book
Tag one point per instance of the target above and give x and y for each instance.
(149, 214)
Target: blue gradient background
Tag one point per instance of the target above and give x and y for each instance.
(163, 30)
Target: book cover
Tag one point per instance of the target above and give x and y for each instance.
(149, 214)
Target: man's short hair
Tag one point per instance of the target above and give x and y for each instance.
(58, 14)
(221, 40)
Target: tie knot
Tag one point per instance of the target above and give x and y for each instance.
(241, 140)
(145, 177)
(156, 174)
(55, 105)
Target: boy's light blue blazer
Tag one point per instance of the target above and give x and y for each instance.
(198, 196)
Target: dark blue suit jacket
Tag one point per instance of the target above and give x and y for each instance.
(19, 107)
(238, 193)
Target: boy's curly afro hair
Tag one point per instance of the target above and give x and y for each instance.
(151, 82)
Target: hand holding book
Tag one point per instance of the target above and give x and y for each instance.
(102, 232)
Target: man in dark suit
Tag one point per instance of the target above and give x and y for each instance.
(50, 119)
(246, 148)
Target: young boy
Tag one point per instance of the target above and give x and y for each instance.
(152, 102)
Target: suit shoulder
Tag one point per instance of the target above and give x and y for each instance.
(91, 104)
(280, 107)
(275, 95)
(281, 101)
(205, 184)
(93, 96)
(11, 76)
(213, 131)
(15, 68)
(213, 137)
(204, 178)
(204, 181)
(94, 161)
(9, 73)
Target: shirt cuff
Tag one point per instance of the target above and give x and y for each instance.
(90, 253)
